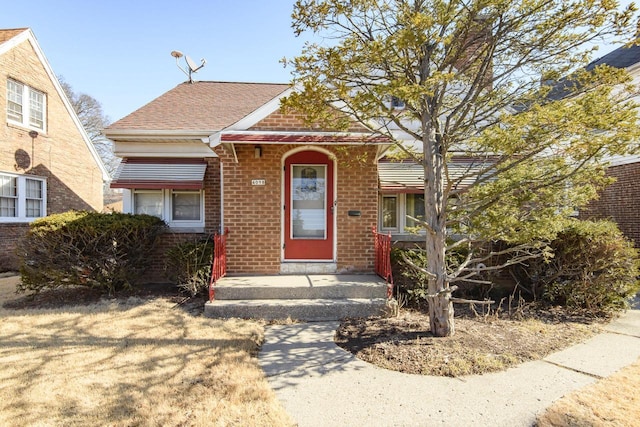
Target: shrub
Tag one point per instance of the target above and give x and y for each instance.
(189, 264)
(107, 251)
(595, 268)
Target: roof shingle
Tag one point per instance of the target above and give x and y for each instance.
(208, 106)
(8, 34)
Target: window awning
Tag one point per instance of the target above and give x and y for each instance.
(177, 174)
(408, 177)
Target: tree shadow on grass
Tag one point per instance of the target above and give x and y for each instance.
(79, 296)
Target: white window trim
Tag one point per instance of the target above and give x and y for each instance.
(381, 226)
(26, 108)
(21, 189)
(167, 208)
(401, 214)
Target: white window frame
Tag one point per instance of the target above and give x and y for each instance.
(381, 226)
(21, 198)
(27, 108)
(167, 207)
(401, 214)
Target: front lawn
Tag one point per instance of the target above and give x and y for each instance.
(130, 361)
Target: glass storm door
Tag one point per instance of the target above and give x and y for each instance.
(308, 206)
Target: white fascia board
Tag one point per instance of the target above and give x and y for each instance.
(162, 149)
(293, 133)
(159, 134)
(14, 41)
(622, 160)
(250, 119)
(28, 35)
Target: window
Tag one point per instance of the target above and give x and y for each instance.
(389, 212)
(22, 197)
(148, 202)
(26, 106)
(185, 206)
(395, 210)
(178, 208)
(397, 103)
(414, 207)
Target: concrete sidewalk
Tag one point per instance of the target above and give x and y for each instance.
(321, 384)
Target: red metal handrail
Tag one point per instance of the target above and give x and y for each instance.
(382, 245)
(219, 261)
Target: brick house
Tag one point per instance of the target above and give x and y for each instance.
(620, 201)
(207, 156)
(47, 162)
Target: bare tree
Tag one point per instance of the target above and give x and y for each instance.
(94, 120)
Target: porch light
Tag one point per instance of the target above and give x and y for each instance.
(257, 152)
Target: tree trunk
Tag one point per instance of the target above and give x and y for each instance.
(439, 299)
(440, 305)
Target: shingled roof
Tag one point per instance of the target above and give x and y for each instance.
(200, 106)
(8, 34)
(622, 57)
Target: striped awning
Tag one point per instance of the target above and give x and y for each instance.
(408, 177)
(178, 174)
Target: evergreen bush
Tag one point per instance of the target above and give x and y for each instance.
(594, 268)
(77, 248)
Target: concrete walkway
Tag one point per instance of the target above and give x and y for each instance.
(321, 384)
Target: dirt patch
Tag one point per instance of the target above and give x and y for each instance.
(480, 344)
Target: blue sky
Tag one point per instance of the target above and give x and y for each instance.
(119, 51)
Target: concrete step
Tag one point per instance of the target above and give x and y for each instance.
(292, 267)
(297, 309)
(300, 287)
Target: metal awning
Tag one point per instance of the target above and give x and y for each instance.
(408, 177)
(178, 174)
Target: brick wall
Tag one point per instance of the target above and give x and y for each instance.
(278, 121)
(357, 190)
(254, 213)
(620, 201)
(74, 181)
(10, 234)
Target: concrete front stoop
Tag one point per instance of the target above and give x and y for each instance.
(321, 297)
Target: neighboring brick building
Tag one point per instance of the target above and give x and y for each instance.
(47, 162)
(207, 156)
(620, 201)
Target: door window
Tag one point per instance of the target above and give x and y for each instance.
(308, 202)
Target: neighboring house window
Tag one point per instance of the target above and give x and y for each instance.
(397, 103)
(396, 209)
(22, 197)
(26, 106)
(178, 208)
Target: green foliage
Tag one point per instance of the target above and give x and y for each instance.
(594, 268)
(189, 264)
(469, 74)
(106, 251)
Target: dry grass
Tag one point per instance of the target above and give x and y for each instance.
(132, 362)
(613, 401)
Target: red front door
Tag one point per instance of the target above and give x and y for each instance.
(308, 207)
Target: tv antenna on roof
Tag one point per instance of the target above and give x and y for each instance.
(191, 66)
